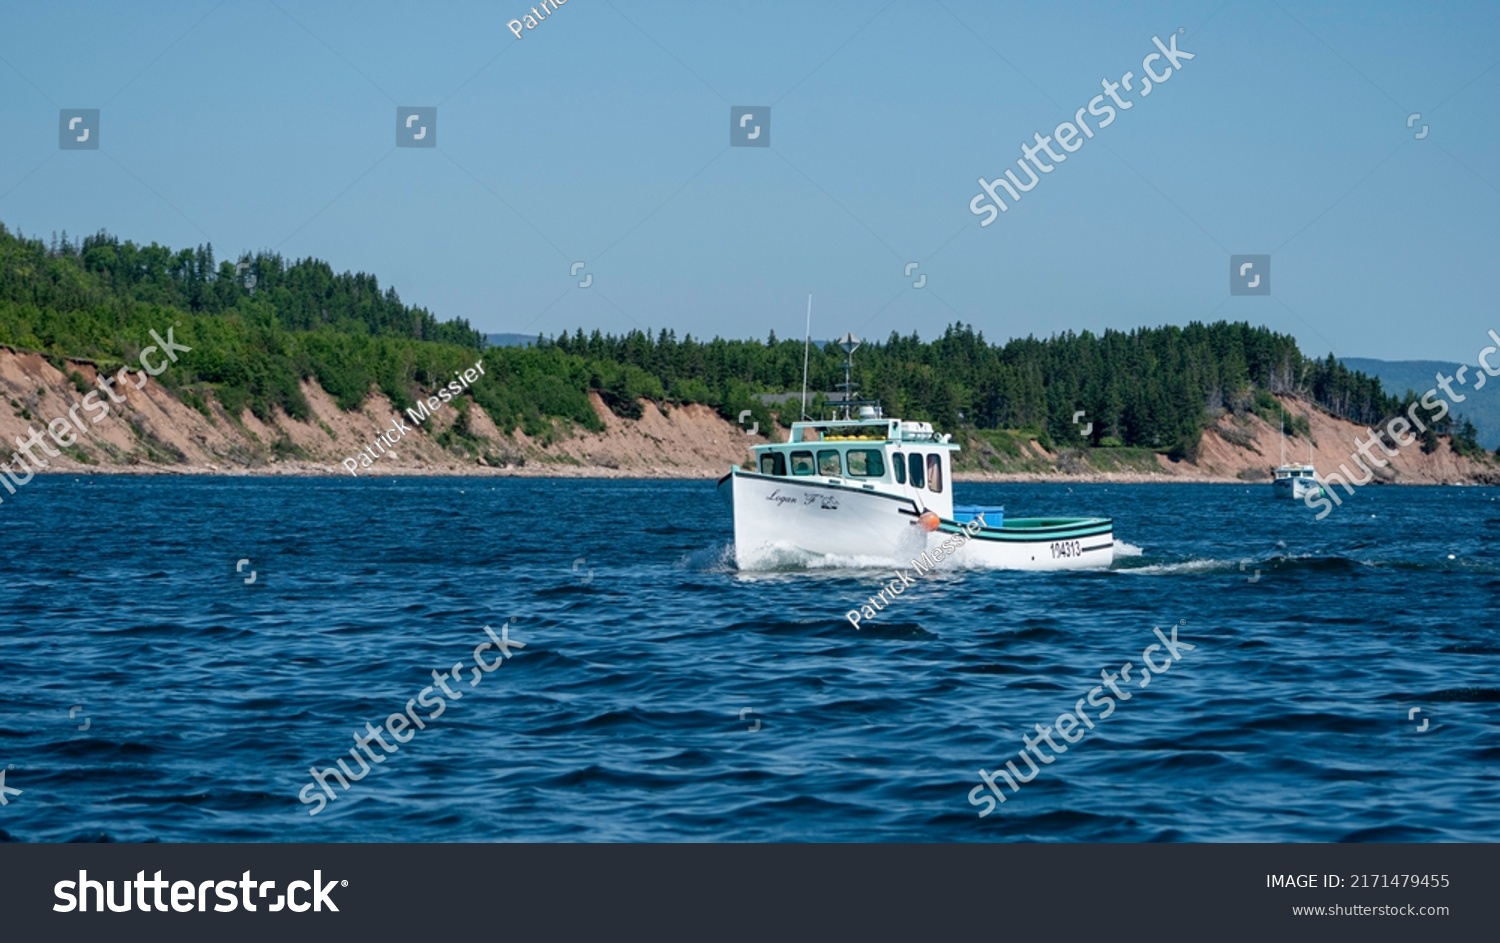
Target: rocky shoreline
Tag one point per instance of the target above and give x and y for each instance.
(333, 470)
(151, 431)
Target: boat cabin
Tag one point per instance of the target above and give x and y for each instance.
(871, 453)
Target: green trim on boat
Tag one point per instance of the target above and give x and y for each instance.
(1037, 529)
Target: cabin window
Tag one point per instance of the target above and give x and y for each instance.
(866, 463)
(773, 463)
(898, 465)
(935, 473)
(914, 465)
(828, 463)
(802, 463)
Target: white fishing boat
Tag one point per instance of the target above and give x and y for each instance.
(1296, 481)
(865, 486)
(1293, 480)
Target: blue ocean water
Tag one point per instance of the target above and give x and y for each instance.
(1343, 683)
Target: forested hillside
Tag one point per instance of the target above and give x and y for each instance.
(1481, 407)
(261, 324)
(1156, 388)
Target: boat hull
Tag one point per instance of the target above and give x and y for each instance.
(1295, 488)
(778, 519)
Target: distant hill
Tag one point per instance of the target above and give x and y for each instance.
(510, 340)
(1419, 376)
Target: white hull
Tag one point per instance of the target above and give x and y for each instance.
(778, 518)
(1296, 488)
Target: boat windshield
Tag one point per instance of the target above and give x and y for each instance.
(865, 463)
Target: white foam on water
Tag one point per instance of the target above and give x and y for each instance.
(718, 558)
(778, 556)
(1186, 566)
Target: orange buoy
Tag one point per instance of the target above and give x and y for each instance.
(929, 521)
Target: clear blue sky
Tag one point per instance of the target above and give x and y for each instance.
(602, 137)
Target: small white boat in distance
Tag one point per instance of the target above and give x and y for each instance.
(1296, 481)
(874, 487)
(1293, 480)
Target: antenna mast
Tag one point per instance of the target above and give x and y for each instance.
(850, 344)
(806, 345)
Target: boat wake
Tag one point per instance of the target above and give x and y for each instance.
(1180, 566)
(785, 558)
(1255, 568)
(718, 558)
(782, 558)
(778, 558)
